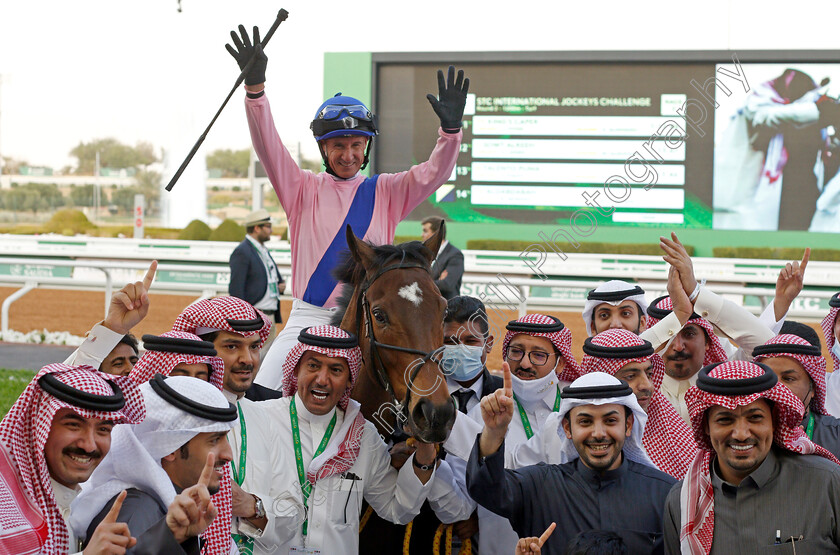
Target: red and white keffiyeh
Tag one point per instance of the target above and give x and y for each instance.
(24, 432)
(715, 353)
(814, 365)
(828, 328)
(163, 362)
(209, 315)
(217, 535)
(562, 341)
(348, 450)
(697, 497)
(667, 439)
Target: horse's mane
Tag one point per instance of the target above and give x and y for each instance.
(350, 273)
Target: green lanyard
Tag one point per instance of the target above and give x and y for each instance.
(529, 432)
(243, 542)
(306, 485)
(810, 428)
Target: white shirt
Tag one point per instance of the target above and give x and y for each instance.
(335, 502)
(64, 496)
(674, 391)
(476, 388)
(264, 458)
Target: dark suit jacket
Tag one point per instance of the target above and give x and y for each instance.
(491, 383)
(248, 280)
(451, 260)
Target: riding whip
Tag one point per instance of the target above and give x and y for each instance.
(281, 17)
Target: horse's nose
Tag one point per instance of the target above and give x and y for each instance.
(433, 421)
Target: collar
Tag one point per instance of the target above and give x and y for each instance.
(304, 414)
(64, 496)
(759, 477)
(231, 396)
(476, 387)
(442, 246)
(597, 478)
(673, 386)
(255, 242)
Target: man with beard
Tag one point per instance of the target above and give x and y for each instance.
(755, 485)
(605, 482)
(51, 440)
(801, 367)
(262, 506)
(537, 352)
(169, 465)
(339, 457)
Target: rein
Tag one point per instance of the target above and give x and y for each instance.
(376, 358)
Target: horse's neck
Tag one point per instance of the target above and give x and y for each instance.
(367, 391)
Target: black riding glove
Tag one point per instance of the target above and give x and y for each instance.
(452, 96)
(243, 52)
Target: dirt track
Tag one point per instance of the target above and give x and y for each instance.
(77, 311)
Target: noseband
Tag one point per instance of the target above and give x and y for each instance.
(376, 358)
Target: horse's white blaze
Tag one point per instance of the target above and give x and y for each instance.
(412, 293)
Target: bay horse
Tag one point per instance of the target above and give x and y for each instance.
(392, 303)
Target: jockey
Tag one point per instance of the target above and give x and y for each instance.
(320, 206)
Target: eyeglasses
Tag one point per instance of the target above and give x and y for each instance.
(334, 111)
(537, 358)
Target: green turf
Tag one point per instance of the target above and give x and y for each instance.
(12, 383)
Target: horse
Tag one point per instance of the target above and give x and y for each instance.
(392, 303)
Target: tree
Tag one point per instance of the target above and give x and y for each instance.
(82, 195)
(311, 165)
(11, 165)
(112, 154)
(148, 183)
(232, 163)
(124, 198)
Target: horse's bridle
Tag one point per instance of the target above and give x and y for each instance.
(376, 358)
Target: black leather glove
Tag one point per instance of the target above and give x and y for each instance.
(243, 52)
(452, 96)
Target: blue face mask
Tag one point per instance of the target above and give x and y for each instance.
(461, 362)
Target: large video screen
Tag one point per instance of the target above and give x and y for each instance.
(627, 143)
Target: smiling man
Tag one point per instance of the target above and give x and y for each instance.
(606, 480)
(338, 457)
(344, 129)
(801, 367)
(755, 485)
(170, 465)
(51, 440)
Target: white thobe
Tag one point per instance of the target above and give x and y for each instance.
(265, 457)
(335, 502)
(100, 341)
(495, 534)
(64, 496)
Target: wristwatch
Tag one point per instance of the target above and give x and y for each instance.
(259, 507)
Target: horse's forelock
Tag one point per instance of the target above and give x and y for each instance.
(350, 273)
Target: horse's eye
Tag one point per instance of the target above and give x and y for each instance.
(379, 315)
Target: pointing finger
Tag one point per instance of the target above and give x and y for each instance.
(208, 470)
(805, 258)
(150, 275)
(547, 533)
(508, 382)
(111, 517)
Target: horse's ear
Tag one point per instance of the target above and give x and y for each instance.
(359, 250)
(434, 242)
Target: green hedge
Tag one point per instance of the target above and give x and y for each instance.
(196, 230)
(406, 238)
(228, 230)
(68, 222)
(602, 248)
(778, 253)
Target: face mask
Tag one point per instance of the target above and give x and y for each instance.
(836, 348)
(529, 391)
(461, 362)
